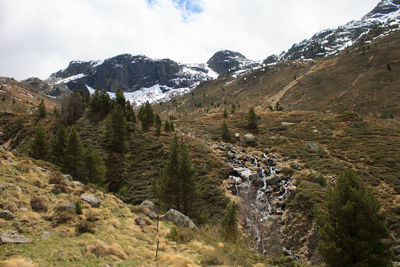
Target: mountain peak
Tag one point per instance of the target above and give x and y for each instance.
(227, 61)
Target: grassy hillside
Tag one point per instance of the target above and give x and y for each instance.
(363, 79)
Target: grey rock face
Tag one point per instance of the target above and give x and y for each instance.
(90, 199)
(6, 215)
(179, 219)
(9, 236)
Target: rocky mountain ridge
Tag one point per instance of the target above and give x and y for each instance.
(384, 18)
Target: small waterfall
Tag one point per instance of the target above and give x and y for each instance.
(263, 192)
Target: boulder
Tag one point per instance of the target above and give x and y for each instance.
(6, 215)
(142, 221)
(64, 211)
(257, 183)
(273, 179)
(151, 214)
(237, 135)
(9, 236)
(91, 200)
(249, 138)
(3, 187)
(179, 219)
(39, 204)
(291, 192)
(312, 146)
(147, 203)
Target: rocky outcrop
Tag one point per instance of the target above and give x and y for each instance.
(91, 200)
(9, 236)
(226, 61)
(179, 219)
(6, 215)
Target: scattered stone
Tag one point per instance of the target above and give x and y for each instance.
(45, 235)
(3, 187)
(249, 138)
(291, 192)
(77, 183)
(287, 124)
(19, 190)
(312, 146)
(273, 179)
(43, 170)
(90, 199)
(39, 204)
(6, 215)
(237, 135)
(257, 183)
(151, 214)
(59, 188)
(147, 203)
(18, 227)
(64, 211)
(230, 154)
(59, 178)
(9, 236)
(141, 221)
(179, 219)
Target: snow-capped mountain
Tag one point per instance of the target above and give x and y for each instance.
(385, 17)
(144, 79)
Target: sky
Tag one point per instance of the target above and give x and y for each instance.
(40, 37)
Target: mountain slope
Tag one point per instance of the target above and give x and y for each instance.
(384, 18)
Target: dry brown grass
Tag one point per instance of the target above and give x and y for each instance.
(100, 249)
(176, 260)
(17, 262)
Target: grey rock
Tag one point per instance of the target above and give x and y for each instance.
(43, 170)
(147, 203)
(68, 178)
(287, 124)
(18, 227)
(141, 221)
(312, 146)
(66, 206)
(18, 189)
(39, 204)
(77, 183)
(237, 135)
(151, 214)
(9, 236)
(257, 183)
(3, 187)
(6, 215)
(291, 192)
(179, 219)
(45, 235)
(273, 179)
(90, 199)
(249, 138)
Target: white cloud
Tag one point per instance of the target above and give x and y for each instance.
(40, 37)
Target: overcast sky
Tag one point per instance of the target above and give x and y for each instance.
(39, 37)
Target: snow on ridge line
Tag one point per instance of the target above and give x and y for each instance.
(152, 94)
(70, 78)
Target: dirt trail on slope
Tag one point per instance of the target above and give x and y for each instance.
(277, 97)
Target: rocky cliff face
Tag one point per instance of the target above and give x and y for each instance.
(229, 62)
(385, 17)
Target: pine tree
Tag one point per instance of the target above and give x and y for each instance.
(73, 107)
(229, 223)
(73, 162)
(42, 109)
(94, 167)
(176, 187)
(252, 120)
(118, 129)
(146, 116)
(158, 122)
(166, 126)
(225, 136)
(225, 114)
(39, 147)
(120, 99)
(58, 146)
(352, 226)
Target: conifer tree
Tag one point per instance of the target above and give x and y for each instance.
(252, 119)
(58, 146)
(176, 187)
(225, 114)
(229, 223)
(94, 167)
(42, 109)
(74, 161)
(352, 226)
(158, 123)
(166, 126)
(225, 136)
(39, 147)
(120, 99)
(118, 129)
(171, 126)
(146, 116)
(73, 107)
